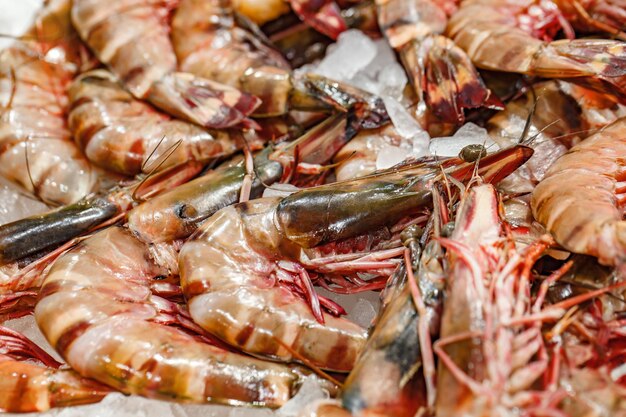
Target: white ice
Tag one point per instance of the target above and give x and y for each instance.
(372, 66)
(468, 134)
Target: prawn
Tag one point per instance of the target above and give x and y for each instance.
(29, 387)
(443, 77)
(399, 347)
(492, 351)
(36, 150)
(122, 134)
(131, 37)
(256, 302)
(489, 32)
(580, 200)
(97, 310)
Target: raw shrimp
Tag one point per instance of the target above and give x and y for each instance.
(240, 270)
(122, 134)
(488, 31)
(131, 37)
(394, 352)
(29, 387)
(580, 200)
(36, 150)
(96, 308)
(177, 213)
(31, 235)
(485, 366)
(443, 77)
(209, 44)
(494, 358)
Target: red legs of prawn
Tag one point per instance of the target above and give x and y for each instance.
(19, 347)
(428, 358)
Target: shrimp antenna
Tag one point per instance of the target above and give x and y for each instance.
(27, 161)
(535, 136)
(529, 118)
(144, 164)
(168, 153)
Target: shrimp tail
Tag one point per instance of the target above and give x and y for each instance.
(595, 63)
(204, 102)
(323, 16)
(445, 76)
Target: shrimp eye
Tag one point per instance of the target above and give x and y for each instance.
(473, 152)
(447, 229)
(185, 211)
(413, 232)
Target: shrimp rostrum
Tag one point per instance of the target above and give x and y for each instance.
(247, 273)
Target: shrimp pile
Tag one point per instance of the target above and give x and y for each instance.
(213, 203)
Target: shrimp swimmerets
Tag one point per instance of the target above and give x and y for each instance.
(239, 272)
(36, 150)
(131, 37)
(581, 198)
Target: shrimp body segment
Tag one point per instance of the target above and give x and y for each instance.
(581, 198)
(97, 311)
(131, 37)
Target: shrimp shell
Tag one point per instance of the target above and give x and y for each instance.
(580, 200)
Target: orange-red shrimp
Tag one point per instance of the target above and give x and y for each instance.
(125, 135)
(490, 33)
(36, 150)
(581, 198)
(131, 37)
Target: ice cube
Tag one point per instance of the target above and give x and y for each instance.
(352, 52)
(404, 123)
(16, 17)
(389, 156)
(468, 134)
(364, 312)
